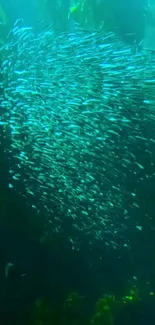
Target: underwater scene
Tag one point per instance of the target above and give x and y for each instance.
(77, 162)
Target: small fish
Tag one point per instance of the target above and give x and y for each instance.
(11, 272)
(74, 121)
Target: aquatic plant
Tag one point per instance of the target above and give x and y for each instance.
(107, 310)
(72, 309)
(42, 313)
(4, 25)
(104, 311)
(133, 295)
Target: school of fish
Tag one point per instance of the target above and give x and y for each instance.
(78, 115)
